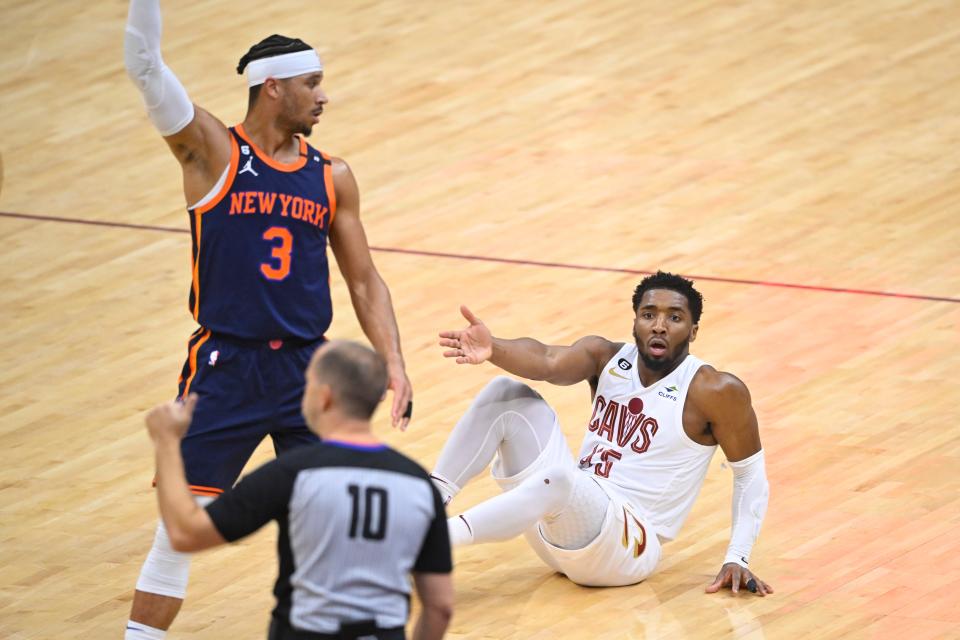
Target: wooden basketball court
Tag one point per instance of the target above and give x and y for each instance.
(531, 160)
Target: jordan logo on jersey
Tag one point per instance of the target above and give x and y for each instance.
(248, 168)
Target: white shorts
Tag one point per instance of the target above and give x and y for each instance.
(625, 551)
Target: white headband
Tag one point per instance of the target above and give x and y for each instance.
(286, 65)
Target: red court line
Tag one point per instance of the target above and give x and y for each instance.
(529, 263)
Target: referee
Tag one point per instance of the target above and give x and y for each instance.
(355, 516)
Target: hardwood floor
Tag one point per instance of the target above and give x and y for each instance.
(810, 144)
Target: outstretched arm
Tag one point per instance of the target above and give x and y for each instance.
(368, 292)
(725, 402)
(199, 141)
(526, 357)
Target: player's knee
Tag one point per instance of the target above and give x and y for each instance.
(504, 388)
(165, 572)
(556, 485)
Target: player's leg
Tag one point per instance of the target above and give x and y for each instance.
(286, 382)
(507, 418)
(624, 551)
(512, 421)
(226, 429)
(566, 505)
(161, 587)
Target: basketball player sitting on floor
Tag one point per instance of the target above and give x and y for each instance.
(658, 415)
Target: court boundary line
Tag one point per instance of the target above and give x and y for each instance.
(518, 261)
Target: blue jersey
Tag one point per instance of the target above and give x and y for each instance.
(260, 267)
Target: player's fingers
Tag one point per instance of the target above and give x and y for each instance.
(735, 578)
(718, 583)
(190, 403)
(463, 360)
(472, 319)
(405, 407)
(450, 342)
(453, 335)
(453, 353)
(766, 587)
(395, 409)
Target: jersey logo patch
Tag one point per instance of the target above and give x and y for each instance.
(613, 372)
(214, 355)
(244, 149)
(669, 393)
(248, 168)
(624, 364)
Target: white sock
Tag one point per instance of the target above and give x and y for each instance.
(140, 631)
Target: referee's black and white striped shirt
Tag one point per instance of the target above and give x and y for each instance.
(354, 522)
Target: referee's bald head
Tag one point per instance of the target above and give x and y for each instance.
(356, 375)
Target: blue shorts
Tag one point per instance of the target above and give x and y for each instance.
(247, 390)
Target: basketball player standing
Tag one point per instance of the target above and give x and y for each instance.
(263, 205)
(659, 414)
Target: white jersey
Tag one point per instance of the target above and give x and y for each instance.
(635, 444)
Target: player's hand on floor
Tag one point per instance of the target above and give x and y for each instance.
(472, 345)
(402, 408)
(736, 577)
(171, 419)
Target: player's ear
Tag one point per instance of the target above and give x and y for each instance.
(693, 332)
(323, 394)
(272, 87)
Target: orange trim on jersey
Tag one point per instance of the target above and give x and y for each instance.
(198, 490)
(328, 183)
(270, 162)
(193, 361)
(196, 267)
(232, 166)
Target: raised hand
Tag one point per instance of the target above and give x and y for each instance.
(472, 345)
(734, 576)
(171, 419)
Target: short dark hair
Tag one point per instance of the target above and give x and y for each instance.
(356, 374)
(270, 46)
(672, 282)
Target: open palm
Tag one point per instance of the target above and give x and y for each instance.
(472, 345)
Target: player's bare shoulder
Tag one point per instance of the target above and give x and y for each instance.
(710, 386)
(346, 193)
(204, 143)
(600, 350)
(342, 174)
(717, 401)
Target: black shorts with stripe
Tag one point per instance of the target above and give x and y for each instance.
(247, 390)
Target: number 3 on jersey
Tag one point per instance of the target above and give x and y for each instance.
(278, 267)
